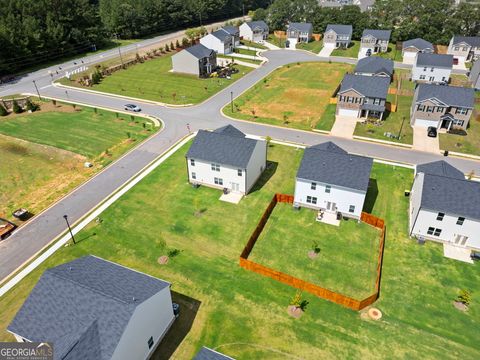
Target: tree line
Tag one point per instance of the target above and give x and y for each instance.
(432, 20)
(34, 32)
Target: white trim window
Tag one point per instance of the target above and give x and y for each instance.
(328, 189)
(240, 172)
(461, 111)
(434, 231)
(422, 77)
(311, 200)
(194, 176)
(351, 209)
(215, 167)
(313, 186)
(192, 162)
(218, 181)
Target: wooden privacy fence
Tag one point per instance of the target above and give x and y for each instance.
(302, 284)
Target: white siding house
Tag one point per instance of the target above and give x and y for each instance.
(91, 308)
(226, 159)
(329, 179)
(444, 207)
(256, 31)
(432, 68)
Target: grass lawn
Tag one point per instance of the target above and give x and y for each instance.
(406, 84)
(246, 52)
(351, 51)
(328, 118)
(313, 46)
(347, 260)
(153, 80)
(391, 53)
(230, 58)
(244, 314)
(392, 123)
(252, 44)
(294, 96)
(272, 39)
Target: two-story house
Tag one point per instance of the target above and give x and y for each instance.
(332, 180)
(464, 48)
(374, 66)
(256, 31)
(362, 96)
(337, 36)
(91, 308)
(444, 207)
(411, 48)
(432, 68)
(298, 33)
(441, 106)
(374, 42)
(234, 32)
(226, 159)
(474, 75)
(196, 60)
(220, 41)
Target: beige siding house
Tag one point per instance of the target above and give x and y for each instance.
(338, 36)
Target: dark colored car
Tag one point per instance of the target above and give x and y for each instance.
(369, 52)
(432, 131)
(132, 107)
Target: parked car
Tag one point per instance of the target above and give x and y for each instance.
(132, 107)
(369, 52)
(6, 228)
(432, 131)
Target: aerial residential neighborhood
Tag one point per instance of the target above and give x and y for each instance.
(240, 180)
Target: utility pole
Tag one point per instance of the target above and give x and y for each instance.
(36, 88)
(69, 229)
(243, 9)
(120, 53)
(231, 100)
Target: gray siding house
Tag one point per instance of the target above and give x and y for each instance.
(234, 32)
(441, 106)
(299, 32)
(474, 75)
(374, 66)
(432, 68)
(464, 48)
(362, 96)
(338, 36)
(374, 40)
(196, 60)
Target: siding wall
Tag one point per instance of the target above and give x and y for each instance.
(257, 163)
(206, 176)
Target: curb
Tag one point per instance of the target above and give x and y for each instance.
(383, 142)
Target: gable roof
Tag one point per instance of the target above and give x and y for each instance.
(221, 34)
(440, 168)
(438, 60)
(330, 164)
(302, 27)
(83, 307)
(232, 30)
(370, 86)
(449, 95)
(474, 72)
(470, 40)
(340, 29)
(418, 43)
(199, 51)
(226, 146)
(258, 24)
(206, 353)
(377, 34)
(374, 65)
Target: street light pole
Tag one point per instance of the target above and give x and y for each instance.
(120, 53)
(231, 100)
(36, 88)
(69, 229)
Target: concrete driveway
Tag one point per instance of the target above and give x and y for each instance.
(344, 126)
(422, 142)
(326, 50)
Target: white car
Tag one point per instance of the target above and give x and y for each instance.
(132, 107)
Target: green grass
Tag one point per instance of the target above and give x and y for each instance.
(348, 253)
(81, 131)
(296, 95)
(391, 52)
(243, 314)
(313, 46)
(153, 80)
(328, 118)
(246, 52)
(272, 39)
(253, 44)
(250, 61)
(392, 123)
(351, 51)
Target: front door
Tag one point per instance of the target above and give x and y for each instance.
(331, 206)
(461, 240)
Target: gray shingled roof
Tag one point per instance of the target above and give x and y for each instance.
(225, 146)
(232, 30)
(199, 51)
(377, 34)
(221, 34)
(258, 24)
(209, 354)
(470, 40)
(452, 196)
(83, 307)
(438, 60)
(418, 43)
(332, 165)
(441, 168)
(302, 27)
(374, 65)
(370, 86)
(449, 95)
(340, 29)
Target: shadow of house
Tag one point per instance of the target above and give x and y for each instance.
(371, 197)
(266, 175)
(180, 328)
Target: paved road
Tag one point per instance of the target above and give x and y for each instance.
(29, 239)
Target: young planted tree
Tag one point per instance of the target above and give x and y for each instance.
(16, 108)
(3, 111)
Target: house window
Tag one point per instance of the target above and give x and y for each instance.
(150, 342)
(439, 109)
(194, 175)
(328, 188)
(351, 208)
(311, 199)
(437, 232)
(422, 77)
(424, 68)
(440, 216)
(456, 48)
(192, 162)
(461, 111)
(376, 101)
(431, 70)
(421, 107)
(239, 172)
(215, 167)
(444, 79)
(218, 181)
(430, 230)
(460, 220)
(430, 109)
(313, 186)
(458, 122)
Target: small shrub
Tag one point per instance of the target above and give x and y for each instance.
(177, 44)
(167, 48)
(316, 248)
(172, 46)
(465, 297)
(129, 135)
(298, 302)
(174, 252)
(3, 111)
(16, 108)
(30, 106)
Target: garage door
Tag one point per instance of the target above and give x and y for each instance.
(426, 123)
(409, 57)
(347, 112)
